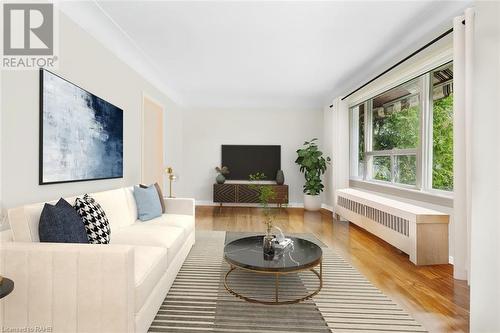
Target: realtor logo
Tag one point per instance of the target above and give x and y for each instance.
(28, 36)
(28, 29)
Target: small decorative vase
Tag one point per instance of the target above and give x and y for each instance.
(267, 247)
(280, 177)
(220, 179)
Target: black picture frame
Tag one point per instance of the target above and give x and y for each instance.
(41, 180)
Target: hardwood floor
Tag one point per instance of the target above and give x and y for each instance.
(429, 293)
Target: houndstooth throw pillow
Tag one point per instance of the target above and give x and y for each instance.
(94, 218)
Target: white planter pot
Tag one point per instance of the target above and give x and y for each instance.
(312, 202)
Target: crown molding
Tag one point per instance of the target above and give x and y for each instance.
(92, 18)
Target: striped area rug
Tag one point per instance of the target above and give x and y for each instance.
(198, 301)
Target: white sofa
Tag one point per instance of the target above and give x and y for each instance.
(117, 287)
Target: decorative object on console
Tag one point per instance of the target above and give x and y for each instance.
(257, 176)
(81, 135)
(160, 195)
(171, 178)
(220, 179)
(60, 223)
(280, 177)
(148, 204)
(313, 165)
(94, 218)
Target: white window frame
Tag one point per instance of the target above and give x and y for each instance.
(423, 151)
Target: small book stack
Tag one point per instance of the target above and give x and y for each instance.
(282, 243)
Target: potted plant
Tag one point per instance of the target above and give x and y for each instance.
(265, 195)
(313, 165)
(224, 170)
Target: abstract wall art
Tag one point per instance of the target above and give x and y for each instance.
(81, 135)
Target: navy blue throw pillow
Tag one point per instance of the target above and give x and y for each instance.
(61, 224)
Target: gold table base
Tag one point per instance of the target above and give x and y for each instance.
(276, 295)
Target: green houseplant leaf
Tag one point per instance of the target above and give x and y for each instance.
(313, 165)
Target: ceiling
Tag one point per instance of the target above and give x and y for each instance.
(256, 54)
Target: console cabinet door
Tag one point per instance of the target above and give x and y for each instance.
(224, 193)
(247, 194)
(281, 194)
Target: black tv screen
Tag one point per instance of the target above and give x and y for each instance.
(243, 160)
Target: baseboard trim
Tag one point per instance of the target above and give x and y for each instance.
(211, 203)
(327, 207)
(291, 205)
(450, 260)
(459, 274)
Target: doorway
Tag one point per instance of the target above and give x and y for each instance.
(152, 142)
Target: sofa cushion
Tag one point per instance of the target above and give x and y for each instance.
(94, 218)
(115, 204)
(150, 265)
(160, 195)
(61, 224)
(24, 222)
(143, 234)
(148, 202)
(186, 222)
(132, 206)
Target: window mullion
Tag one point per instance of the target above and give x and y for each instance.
(393, 168)
(354, 141)
(424, 158)
(368, 139)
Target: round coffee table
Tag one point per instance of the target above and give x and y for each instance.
(247, 254)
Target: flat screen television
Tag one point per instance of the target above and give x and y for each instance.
(243, 160)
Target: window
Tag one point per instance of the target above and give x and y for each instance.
(442, 128)
(395, 133)
(404, 136)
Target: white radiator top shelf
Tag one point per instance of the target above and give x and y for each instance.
(388, 203)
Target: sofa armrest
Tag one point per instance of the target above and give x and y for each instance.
(183, 206)
(68, 287)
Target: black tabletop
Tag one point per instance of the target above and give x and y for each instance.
(6, 287)
(248, 253)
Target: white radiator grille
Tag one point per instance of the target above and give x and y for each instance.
(390, 221)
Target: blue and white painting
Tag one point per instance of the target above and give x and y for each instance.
(81, 134)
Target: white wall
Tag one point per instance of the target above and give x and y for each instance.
(1, 159)
(204, 131)
(88, 64)
(485, 220)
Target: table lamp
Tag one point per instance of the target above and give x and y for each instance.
(171, 178)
